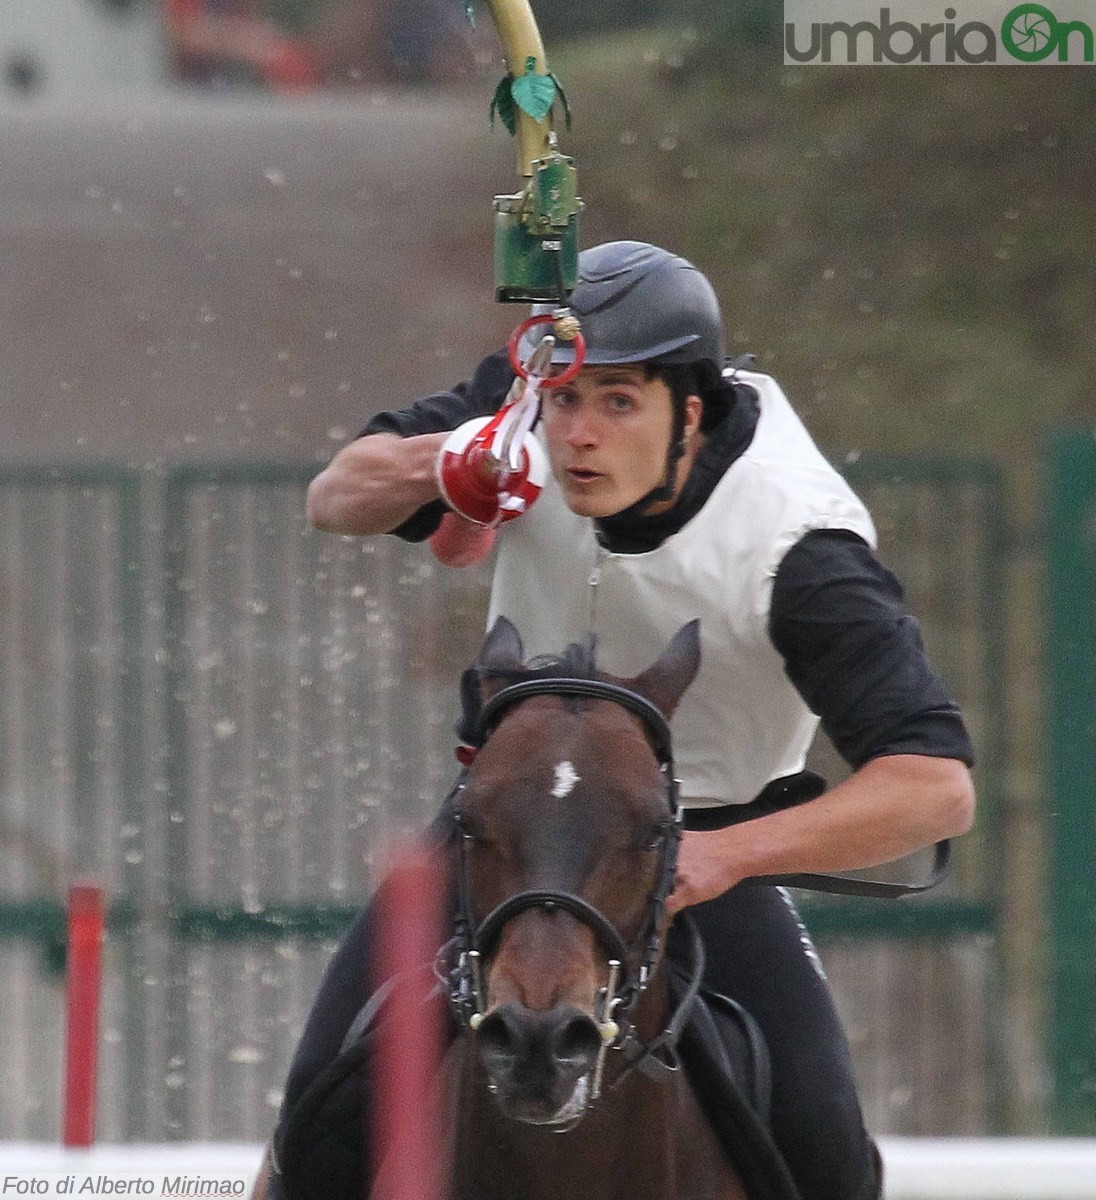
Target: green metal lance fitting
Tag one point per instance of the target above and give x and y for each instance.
(536, 229)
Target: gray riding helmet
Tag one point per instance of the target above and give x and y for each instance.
(639, 303)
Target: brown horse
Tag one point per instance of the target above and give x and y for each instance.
(567, 825)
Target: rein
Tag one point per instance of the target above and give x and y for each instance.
(630, 965)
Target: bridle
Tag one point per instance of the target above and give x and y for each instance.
(631, 965)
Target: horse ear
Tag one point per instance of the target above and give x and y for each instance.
(501, 651)
(665, 681)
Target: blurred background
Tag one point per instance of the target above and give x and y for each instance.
(232, 230)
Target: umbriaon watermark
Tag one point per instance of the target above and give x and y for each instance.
(823, 33)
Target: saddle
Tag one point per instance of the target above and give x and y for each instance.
(321, 1149)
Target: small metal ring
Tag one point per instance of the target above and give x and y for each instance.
(564, 376)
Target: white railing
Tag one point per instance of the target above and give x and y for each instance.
(990, 1168)
(917, 1168)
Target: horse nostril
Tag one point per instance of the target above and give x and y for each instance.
(576, 1040)
(511, 1035)
(497, 1037)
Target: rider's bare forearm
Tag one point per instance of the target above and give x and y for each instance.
(374, 484)
(890, 807)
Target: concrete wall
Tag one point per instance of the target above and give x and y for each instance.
(191, 277)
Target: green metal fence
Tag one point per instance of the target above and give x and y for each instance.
(1071, 592)
(243, 710)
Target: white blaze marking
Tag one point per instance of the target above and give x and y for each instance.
(566, 778)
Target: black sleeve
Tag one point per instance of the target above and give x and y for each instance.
(855, 654)
(477, 397)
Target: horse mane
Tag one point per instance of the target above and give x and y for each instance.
(578, 661)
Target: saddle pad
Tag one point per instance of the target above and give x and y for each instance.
(727, 1062)
(320, 1146)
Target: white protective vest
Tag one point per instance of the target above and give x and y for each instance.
(741, 723)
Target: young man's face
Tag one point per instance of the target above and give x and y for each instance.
(608, 434)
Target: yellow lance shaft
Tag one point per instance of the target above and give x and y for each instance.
(520, 37)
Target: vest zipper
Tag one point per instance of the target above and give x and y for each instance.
(593, 583)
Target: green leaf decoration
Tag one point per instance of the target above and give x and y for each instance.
(503, 104)
(470, 13)
(563, 100)
(534, 93)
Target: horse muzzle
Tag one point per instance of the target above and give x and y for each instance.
(539, 1064)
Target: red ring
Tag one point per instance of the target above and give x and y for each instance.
(545, 319)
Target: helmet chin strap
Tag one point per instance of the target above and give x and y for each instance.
(666, 489)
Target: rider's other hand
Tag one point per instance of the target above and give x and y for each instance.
(704, 870)
(478, 487)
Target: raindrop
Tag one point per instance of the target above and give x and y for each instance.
(246, 1055)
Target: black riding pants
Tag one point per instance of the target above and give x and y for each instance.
(759, 954)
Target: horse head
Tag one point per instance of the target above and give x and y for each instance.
(568, 831)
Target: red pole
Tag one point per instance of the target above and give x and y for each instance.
(410, 1037)
(83, 983)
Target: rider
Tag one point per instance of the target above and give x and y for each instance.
(680, 488)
